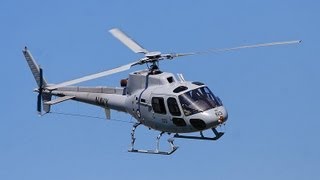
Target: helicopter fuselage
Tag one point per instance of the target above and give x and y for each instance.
(158, 100)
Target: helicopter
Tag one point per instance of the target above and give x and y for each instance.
(158, 100)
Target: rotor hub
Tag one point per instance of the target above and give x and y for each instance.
(153, 55)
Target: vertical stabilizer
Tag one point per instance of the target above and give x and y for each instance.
(37, 72)
(33, 67)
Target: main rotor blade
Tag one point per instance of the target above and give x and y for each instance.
(126, 40)
(174, 55)
(247, 46)
(93, 76)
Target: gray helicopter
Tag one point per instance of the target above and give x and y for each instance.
(158, 100)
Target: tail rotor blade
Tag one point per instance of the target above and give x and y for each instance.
(41, 78)
(40, 89)
(39, 101)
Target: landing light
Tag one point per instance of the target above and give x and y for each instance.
(221, 119)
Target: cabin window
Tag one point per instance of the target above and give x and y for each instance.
(170, 79)
(179, 122)
(158, 105)
(173, 107)
(180, 89)
(198, 83)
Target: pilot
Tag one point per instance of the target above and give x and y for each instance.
(185, 104)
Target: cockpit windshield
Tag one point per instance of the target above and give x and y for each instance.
(198, 100)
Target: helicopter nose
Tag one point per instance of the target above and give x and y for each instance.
(209, 119)
(222, 115)
(217, 116)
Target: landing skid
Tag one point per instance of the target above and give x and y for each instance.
(173, 149)
(202, 137)
(155, 151)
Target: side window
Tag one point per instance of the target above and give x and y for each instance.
(158, 105)
(173, 107)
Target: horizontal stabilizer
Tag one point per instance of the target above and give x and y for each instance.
(59, 100)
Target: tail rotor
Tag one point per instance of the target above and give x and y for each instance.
(37, 72)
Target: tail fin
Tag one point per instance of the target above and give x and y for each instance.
(42, 83)
(33, 67)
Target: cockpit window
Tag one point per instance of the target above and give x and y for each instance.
(198, 100)
(173, 107)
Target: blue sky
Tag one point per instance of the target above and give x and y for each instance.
(272, 94)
